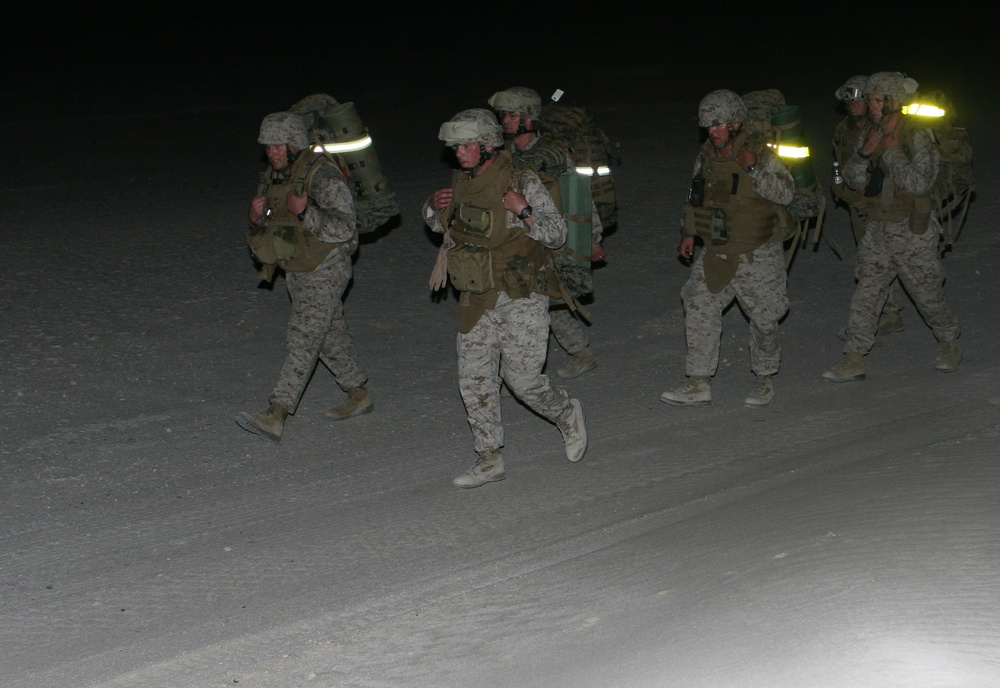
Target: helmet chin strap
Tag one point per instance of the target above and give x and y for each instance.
(522, 128)
(886, 110)
(728, 141)
(484, 155)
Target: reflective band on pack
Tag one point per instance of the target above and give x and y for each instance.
(923, 110)
(785, 151)
(345, 146)
(602, 171)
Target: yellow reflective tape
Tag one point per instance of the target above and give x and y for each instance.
(344, 146)
(923, 110)
(784, 151)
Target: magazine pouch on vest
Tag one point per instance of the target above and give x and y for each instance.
(289, 246)
(470, 266)
(259, 240)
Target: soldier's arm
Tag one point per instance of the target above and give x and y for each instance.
(695, 172)
(596, 227)
(856, 170)
(330, 213)
(918, 171)
(547, 225)
(771, 179)
(432, 217)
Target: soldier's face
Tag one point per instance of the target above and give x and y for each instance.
(510, 121)
(856, 108)
(277, 156)
(467, 154)
(876, 106)
(719, 134)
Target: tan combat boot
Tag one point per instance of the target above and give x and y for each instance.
(488, 469)
(574, 432)
(359, 402)
(697, 392)
(763, 393)
(949, 356)
(849, 369)
(583, 361)
(268, 425)
(890, 323)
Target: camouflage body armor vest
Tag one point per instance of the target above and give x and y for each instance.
(489, 257)
(888, 202)
(733, 218)
(282, 239)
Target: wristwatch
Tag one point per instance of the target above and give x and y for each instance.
(525, 214)
(751, 168)
(302, 216)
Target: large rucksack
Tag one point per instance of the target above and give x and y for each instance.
(955, 184)
(591, 149)
(774, 122)
(571, 193)
(337, 131)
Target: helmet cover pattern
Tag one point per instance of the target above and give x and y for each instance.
(518, 99)
(284, 128)
(893, 84)
(720, 107)
(477, 125)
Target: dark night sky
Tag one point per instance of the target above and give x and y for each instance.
(98, 58)
(102, 40)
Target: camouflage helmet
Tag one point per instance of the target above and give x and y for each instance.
(477, 125)
(892, 84)
(284, 128)
(518, 99)
(720, 107)
(853, 88)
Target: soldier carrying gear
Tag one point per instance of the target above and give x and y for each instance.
(302, 219)
(519, 110)
(499, 225)
(896, 163)
(845, 140)
(738, 189)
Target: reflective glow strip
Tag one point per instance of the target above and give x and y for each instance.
(791, 151)
(345, 146)
(923, 110)
(602, 171)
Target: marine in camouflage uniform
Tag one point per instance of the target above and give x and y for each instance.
(499, 225)
(302, 220)
(740, 220)
(845, 141)
(896, 164)
(519, 110)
